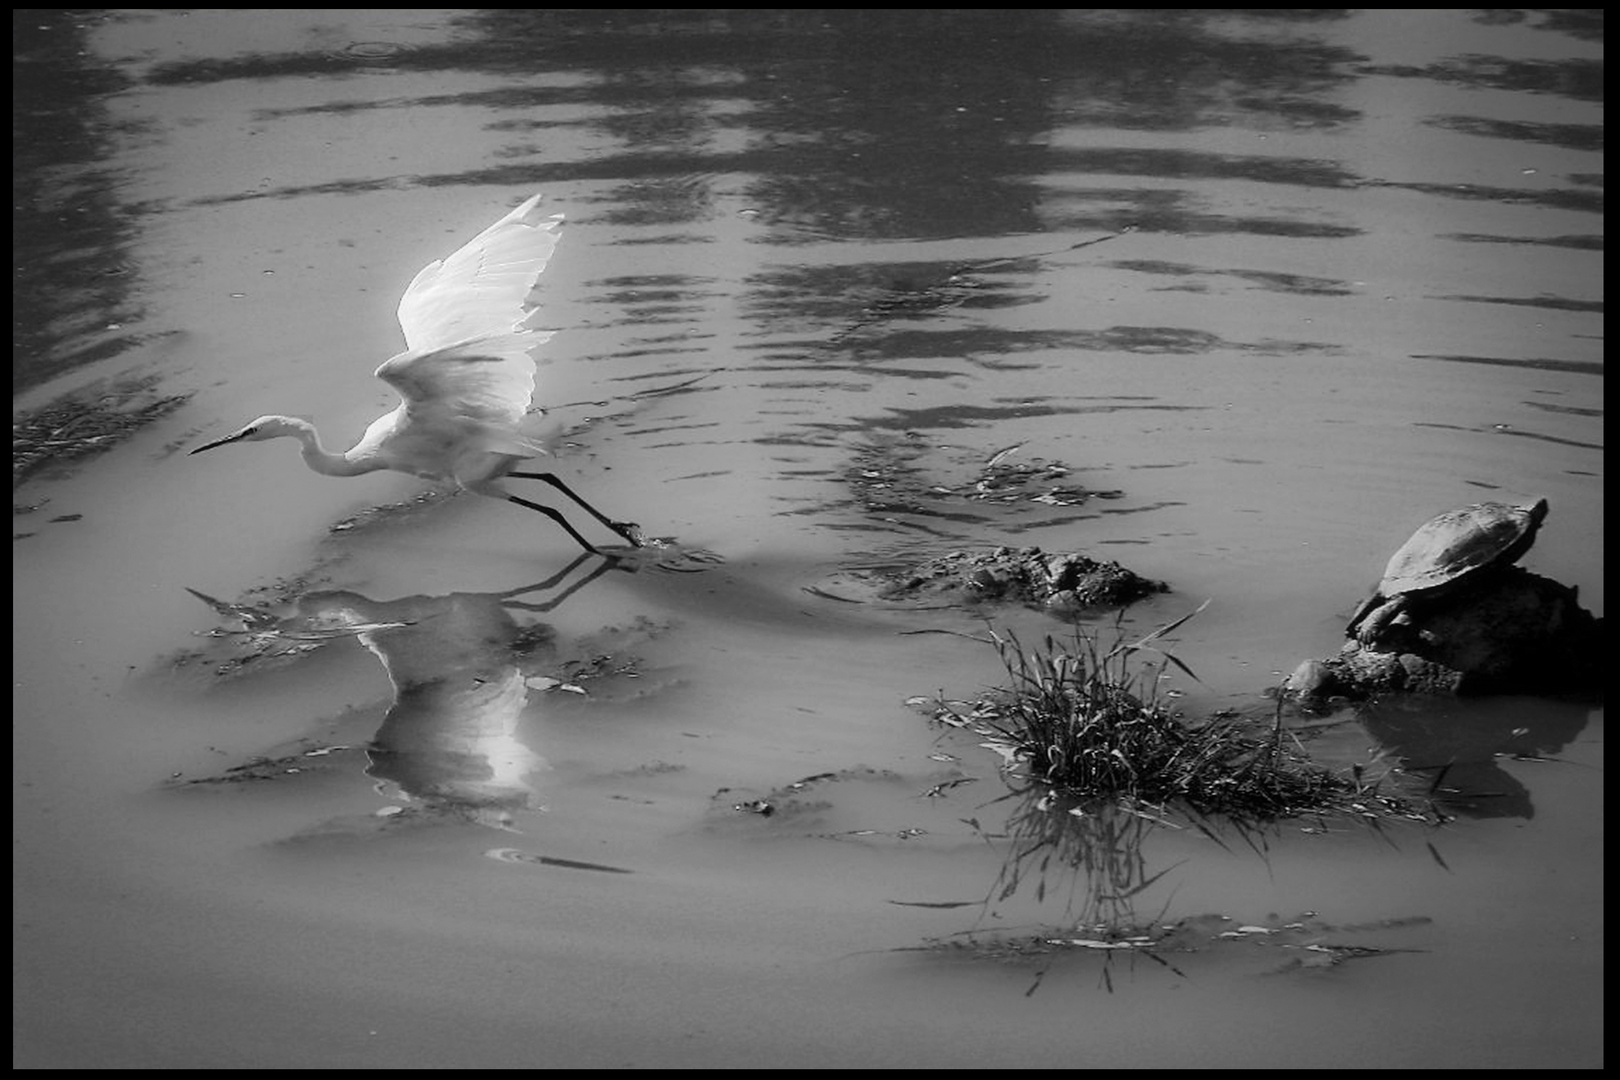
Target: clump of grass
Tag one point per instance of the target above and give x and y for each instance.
(1088, 721)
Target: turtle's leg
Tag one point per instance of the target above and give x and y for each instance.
(1368, 606)
(1372, 628)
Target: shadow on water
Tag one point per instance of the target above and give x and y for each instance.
(1460, 745)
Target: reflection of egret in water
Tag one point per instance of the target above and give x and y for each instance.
(460, 666)
(466, 376)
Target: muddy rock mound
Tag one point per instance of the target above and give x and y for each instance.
(1515, 633)
(1056, 581)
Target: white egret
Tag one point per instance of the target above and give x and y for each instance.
(466, 376)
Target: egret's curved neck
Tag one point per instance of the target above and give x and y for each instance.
(322, 460)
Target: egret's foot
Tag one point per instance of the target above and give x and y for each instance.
(629, 530)
(624, 557)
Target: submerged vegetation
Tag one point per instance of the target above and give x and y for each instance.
(1086, 720)
(86, 423)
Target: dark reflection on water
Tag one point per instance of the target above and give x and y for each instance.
(884, 124)
(73, 282)
(1531, 362)
(1459, 746)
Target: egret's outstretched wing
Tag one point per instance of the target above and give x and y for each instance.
(468, 373)
(473, 392)
(484, 287)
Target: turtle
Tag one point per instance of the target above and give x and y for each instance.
(1446, 553)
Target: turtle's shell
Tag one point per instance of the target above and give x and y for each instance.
(1461, 542)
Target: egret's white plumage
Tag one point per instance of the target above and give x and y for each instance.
(466, 376)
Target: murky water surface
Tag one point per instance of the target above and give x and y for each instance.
(1251, 297)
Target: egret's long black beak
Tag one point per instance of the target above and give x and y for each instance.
(220, 442)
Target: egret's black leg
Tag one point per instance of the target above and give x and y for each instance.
(556, 515)
(623, 528)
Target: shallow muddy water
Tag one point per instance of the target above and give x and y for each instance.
(1244, 299)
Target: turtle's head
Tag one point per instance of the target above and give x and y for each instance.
(1538, 511)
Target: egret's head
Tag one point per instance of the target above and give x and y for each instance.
(265, 427)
